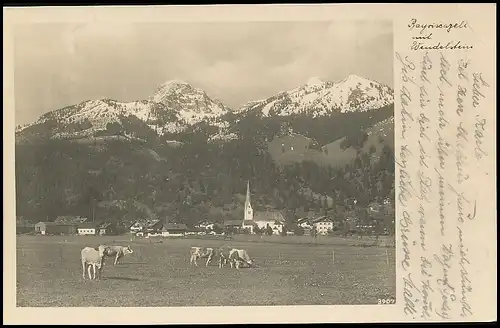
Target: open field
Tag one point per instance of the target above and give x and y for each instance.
(49, 273)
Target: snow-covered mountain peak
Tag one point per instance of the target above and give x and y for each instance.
(172, 107)
(318, 98)
(169, 88)
(190, 104)
(354, 80)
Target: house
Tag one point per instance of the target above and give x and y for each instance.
(145, 226)
(233, 223)
(87, 228)
(52, 228)
(233, 226)
(174, 229)
(323, 224)
(193, 231)
(205, 224)
(274, 219)
(153, 225)
(136, 227)
(305, 223)
(248, 225)
(107, 228)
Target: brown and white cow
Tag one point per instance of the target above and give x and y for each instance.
(238, 257)
(114, 251)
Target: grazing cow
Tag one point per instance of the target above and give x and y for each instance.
(91, 257)
(117, 251)
(205, 252)
(237, 257)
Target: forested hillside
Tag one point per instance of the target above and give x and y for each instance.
(131, 163)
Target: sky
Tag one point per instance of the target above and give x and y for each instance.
(61, 64)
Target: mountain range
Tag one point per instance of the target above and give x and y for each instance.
(179, 126)
(176, 105)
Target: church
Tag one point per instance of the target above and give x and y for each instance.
(262, 219)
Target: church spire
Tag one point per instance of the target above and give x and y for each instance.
(248, 192)
(248, 207)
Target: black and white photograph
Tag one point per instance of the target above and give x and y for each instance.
(182, 164)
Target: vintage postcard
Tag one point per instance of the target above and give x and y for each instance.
(250, 164)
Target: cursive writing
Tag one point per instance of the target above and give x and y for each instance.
(421, 212)
(465, 283)
(476, 88)
(414, 24)
(405, 96)
(405, 224)
(460, 156)
(446, 290)
(405, 185)
(479, 130)
(426, 65)
(444, 68)
(409, 298)
(425, 266)
(423, 121)
(444, 141)
(425, 186)
(442, 121)
(451, 45)
(461, 200)
(441, 192)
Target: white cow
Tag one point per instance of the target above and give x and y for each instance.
(237, 257)
(92, 257)
(117, 251)
(206, 252)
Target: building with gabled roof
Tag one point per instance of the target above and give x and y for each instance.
(174, 229)
(53, 228)
(323, 224)
(106, 228)
(146, 225)
(87, 228)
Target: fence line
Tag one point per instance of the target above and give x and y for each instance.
(293, 240)
(330, 256)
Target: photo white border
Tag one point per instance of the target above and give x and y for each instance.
(398, 13)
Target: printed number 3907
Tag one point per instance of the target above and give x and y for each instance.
(386, 301)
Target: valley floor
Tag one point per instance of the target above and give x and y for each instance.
(49, 274)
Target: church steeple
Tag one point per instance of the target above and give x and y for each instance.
(248, 207)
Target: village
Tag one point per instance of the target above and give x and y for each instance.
(267, 222)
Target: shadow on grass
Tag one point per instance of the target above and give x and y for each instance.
(120, 278)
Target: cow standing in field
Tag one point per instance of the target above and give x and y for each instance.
(206, 252)
(223, 257)
(117, 251)
(92, 257)
(237, 257)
